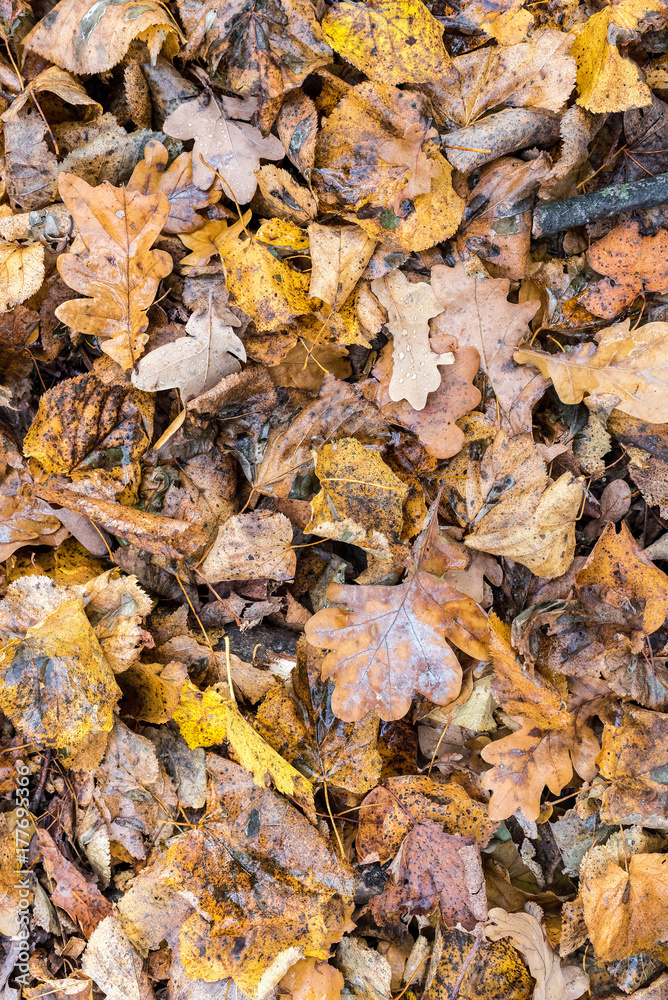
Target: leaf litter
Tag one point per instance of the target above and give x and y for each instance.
(334, 487)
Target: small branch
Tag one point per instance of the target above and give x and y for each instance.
(479, 938)
(557, 215)
(39, 791)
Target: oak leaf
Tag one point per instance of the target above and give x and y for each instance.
(390, 642)
(478, 314)
(254, 546)
(92, 41)
(625, 902)
(305, 731)
(176, 181)
(56, 684)
(260, 887)
(265, 50)
(81, 900)
(339, 255)
(626, 365)
(606, 80)
(515, 509)
(112, 264)
(208, 239)
(232, 148)
(21, 272)
(629, 261)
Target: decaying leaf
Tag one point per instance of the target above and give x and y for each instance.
(81, 900)
(633, 760)
(21, 272)
(629, 261)
(113, 264)
(251, 547)
(339, 255)
(176, 181)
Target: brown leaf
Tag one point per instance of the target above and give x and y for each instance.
(114, 964)
(630, 262)
(633, 759)
(21, 272)
(339, 255)
(280, 196)
(176, 182)
(81, 900)
(112, 263)
(253, 546)
(297, 126)
(492, 969)
(54, 81)
(390, 642)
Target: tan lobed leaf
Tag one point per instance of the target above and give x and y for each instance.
(263, 51)
(553, 981)
(538, 73)
(606, 80)
(176, 182)
(625, 902)
(630, 365)
(209, 238)
(478, 314)
(390, 642)
(633, 759)
(305, 731)
(253, 546)
(339, 255)
(93, 432)
(630, 262)
(232, 148)
(339, 411)
(410, 306)
(518, 511)
(56, 684)
(357, 485)
(258, 885)
(81, 900)
(112, 264)
(395, 42)
(435, 423)
(196, 363)
(93, 40)
(114, 965)
(21, 272)
(392, 809)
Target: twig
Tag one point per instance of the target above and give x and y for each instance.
(584, 208)
(39, 791)
(467, 961)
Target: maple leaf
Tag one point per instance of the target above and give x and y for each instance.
(626, 365)
(209, 238)
(263, 881)
(93, 40)
(305, 731)
(253, 546)
(112, 263)
(81, 900)
(233, 149)
(390, 642)
(177, 183)
(606, 80)
(21, 272)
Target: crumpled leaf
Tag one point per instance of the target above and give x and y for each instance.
(81, 900)
(56, 684)
(21, 272)
(606, 80)
(517, 510)
(635, 891)
(231, 148)
(305, 731)
(478, 314)
(398, 41)
(624, 364)
(95, 39)
(112, 263)
(297, 126)
(629, 261)
(553, 981)
(265, 50)
(116, 606)
(254, 546)
(177, 183)
(24, 520)
(390, 642)
(53, 81)
(206, 718)
(268, 889)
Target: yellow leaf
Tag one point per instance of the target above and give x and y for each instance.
(208, 240)
(391, 41)
(21, 273)
(206, 718)
(606, 80)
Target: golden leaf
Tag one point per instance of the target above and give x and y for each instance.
(21, 273)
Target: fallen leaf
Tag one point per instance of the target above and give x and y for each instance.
(280, 196)
(628, 365)
(339, 255)
(264, 52)
(57, 687)
(478, 314)
(92, 41)
(306, 365)
(606, 80)
(233, 149)
(493, 969)
(633, 760)
(253, 546)
(297, 126)
(114, 965)
(116, 607)
(634, 892)
(390, 642)
(113, 263)
(305, 731)
(553, 981)
(21, 273)
(630, 262)
(81, 900)
(54, 81)
(311, 980)
(177, 183)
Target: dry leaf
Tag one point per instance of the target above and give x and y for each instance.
(280, 196)
(112, 263)
(54, 81)
(626, 365)
(114, 965)
(21, 273)
(176, 182)
(232, 148)
(633, 759)
(297, 126)
(311, 980)
(81, 900)
(339, 255)
(410, 306)
(94, 40)
(493, 969)
(253, 546)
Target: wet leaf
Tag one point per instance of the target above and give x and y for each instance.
(495, 970)
(339, 255)
(253, 546)
(81, 900)
(633, 760)
(21, 273)
(630, 262)
(177, 183)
